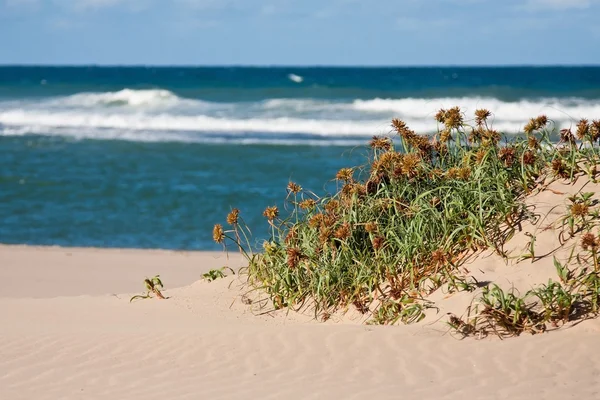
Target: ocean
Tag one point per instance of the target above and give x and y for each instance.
(150, 157)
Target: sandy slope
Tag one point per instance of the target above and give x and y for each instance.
(64, 335)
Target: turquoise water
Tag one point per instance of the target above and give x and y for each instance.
(153, 157)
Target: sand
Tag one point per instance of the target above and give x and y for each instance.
(68, 331)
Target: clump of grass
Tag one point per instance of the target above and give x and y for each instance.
(399, 227)
(153, 288)
(215, 274)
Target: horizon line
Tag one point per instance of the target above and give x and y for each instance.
(116, 65)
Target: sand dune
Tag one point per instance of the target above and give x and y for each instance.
(66, 335)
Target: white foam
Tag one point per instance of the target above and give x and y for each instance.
(519, 111)
(201, 123)
(162, 115)
(295, 78)
(125, 97)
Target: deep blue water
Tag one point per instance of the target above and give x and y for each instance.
(153, 157)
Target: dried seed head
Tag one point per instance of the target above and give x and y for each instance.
(325, 234)
(507, 155)
(595, 130)
(218, 234)
(440, 116)
(343, 232)
(315, 220)
(307, 204)
(566, 136)
(583, 129)
(402, 129)
(344, 174)
(559, 168)
(453, 118)
(378, 242)
(481, 115)
(452, 173)
(232, 217)
(381, 143)
(445, 136)
(528, 158)
(480, 156)
(579, 210)
(491, 137)
(389, 159)
(271, 213)
(291, 236)
(409, 166)
(371, 227)
(541, 121)
(464, 173)
(332, 206)
(438, 258)
(532, 142)
(589, 241)
(372, 185)
(294, 255)
(294, 188)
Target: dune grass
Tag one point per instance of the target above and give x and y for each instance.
(399, 227)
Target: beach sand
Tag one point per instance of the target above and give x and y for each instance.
(68, 331)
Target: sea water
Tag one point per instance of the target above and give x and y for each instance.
(152, 157)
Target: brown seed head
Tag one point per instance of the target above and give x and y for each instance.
(325, 234)
(271, 213)
(452, 173)
(589, 241)
(291, 236)
(541, 121)
(532, 142)
(530, 127)
(464, 173)
(559, 168)
(343, 232)
(438, 258)
(315, 220)
(491, 137)
(294, 188)
(409, 165)
(583, 129)
(402, 129)
(332, 206)
(507, 155)
(454, 118)
(378, 242)
(528, 157)
(371, 227)
(481, 116)
(480, 156)
(344, 174)
(294, 255)
(307, 204)
(441, 116)
(389, 159)
(595, 130)
(579, 210)
(445, 136)
(381, 143)
(218, 234)
(232, 217)
(566, 136)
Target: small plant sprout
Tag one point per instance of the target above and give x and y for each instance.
(215, 274)
(153, 288)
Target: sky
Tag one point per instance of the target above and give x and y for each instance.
(300, 32)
